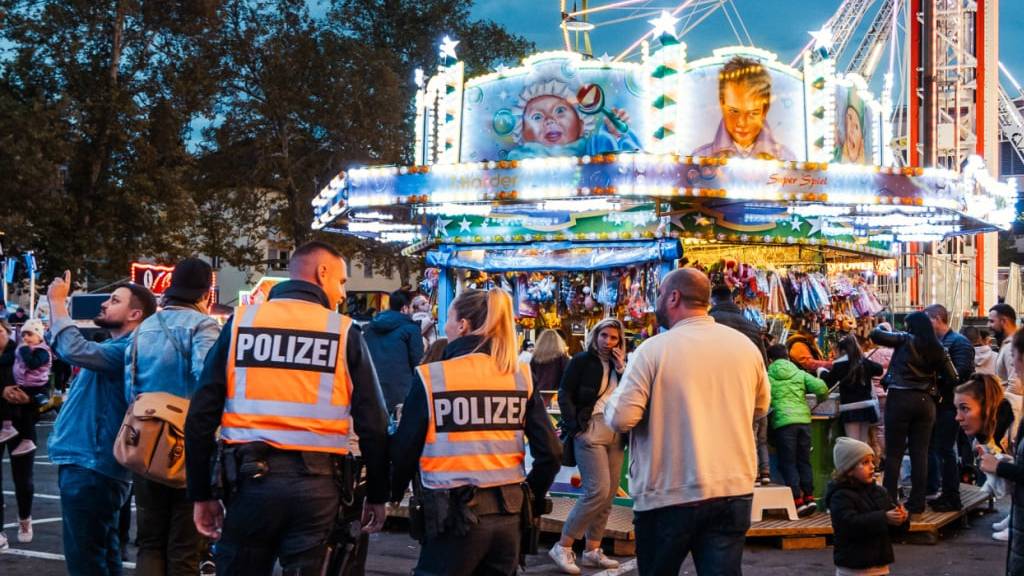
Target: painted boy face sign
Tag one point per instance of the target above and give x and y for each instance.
(551, 121)
(743, 112)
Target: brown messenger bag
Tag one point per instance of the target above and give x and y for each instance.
(151, 441)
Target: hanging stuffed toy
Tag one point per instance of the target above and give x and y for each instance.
(609, 293)
(525, 307)
(429, 282)
(588, 298)
(541, 289)
(635, 304)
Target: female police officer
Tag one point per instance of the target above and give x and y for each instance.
(462, 430)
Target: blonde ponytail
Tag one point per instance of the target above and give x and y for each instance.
(498, 331)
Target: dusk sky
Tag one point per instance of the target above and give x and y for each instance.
(777, 25)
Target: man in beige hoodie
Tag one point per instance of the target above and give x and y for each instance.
(688, 395)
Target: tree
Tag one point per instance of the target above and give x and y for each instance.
(295, 100)
(302, 97)
(95, 103)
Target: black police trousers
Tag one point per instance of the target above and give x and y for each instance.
(283, 516)
(491, 548)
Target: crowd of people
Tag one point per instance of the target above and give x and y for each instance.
(282, 397)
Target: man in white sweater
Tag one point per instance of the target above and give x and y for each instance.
(689, 395)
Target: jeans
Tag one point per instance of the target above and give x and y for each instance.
(169, 544)
(909, 417)
(90, 503)
(942, 462)
(284, 516)
(22, 473)
(793, 447)
(599, 455)
(764, 465)
(713, 530)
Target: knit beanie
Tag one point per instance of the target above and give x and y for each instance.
(848, 452)
(34, 326)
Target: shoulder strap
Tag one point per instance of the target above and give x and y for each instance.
(134, 363)
(177, 345)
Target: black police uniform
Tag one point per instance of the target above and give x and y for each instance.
(287, 513)
(485, 537)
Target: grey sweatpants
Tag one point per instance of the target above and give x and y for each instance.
(599, 454)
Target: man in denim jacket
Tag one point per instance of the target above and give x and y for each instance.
(93, 486)
(168, 356)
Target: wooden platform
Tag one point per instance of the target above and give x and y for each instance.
(809, 532)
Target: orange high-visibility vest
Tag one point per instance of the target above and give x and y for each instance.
(288, 381)
(477, 418)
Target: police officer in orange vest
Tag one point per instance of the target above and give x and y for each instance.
(284, 383)
(462, 430)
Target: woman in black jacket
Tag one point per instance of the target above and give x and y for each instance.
(918, 363)
(1014, 472)
(588, 382)
(858, 407)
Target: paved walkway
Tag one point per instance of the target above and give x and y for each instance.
(960, 551)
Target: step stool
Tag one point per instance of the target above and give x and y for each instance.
(772, 498)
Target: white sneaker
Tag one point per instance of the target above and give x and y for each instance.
(6, 433)
(23, 447)
(597, 559)
(3, 542)
(1002, 524)
(1002, 535)
(25, 530)
(564, 558)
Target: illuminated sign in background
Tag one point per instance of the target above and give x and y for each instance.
(158, 278)
(708, 124)
(557, 105)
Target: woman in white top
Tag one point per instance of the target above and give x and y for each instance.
(588, 383)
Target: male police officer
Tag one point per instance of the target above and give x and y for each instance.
(284, 382)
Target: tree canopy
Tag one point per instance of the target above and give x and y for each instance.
(137, 128)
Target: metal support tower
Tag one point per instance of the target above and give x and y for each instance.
(845, 23)
(1011, 124)
(953, 99)
(869, 51)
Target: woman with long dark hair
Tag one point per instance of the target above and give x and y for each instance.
(1010, 470)
(918, 361)
(858, 407)
(983, 413)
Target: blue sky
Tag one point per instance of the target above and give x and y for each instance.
(777, 25)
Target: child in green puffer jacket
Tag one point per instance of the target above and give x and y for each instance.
(791, 420)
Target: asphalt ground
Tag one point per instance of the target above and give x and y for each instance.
(962, 549)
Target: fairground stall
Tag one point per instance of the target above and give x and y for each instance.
(577, 183)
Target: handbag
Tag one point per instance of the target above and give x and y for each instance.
(568, 449)
(151, 441)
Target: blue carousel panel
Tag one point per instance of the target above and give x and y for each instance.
(556, 256)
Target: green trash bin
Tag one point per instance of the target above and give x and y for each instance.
(823, 430)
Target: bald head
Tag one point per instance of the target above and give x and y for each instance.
(321, 264)
(684, 293)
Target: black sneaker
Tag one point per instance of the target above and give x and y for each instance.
(946, 505)
(207, 568)
(806, 509)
